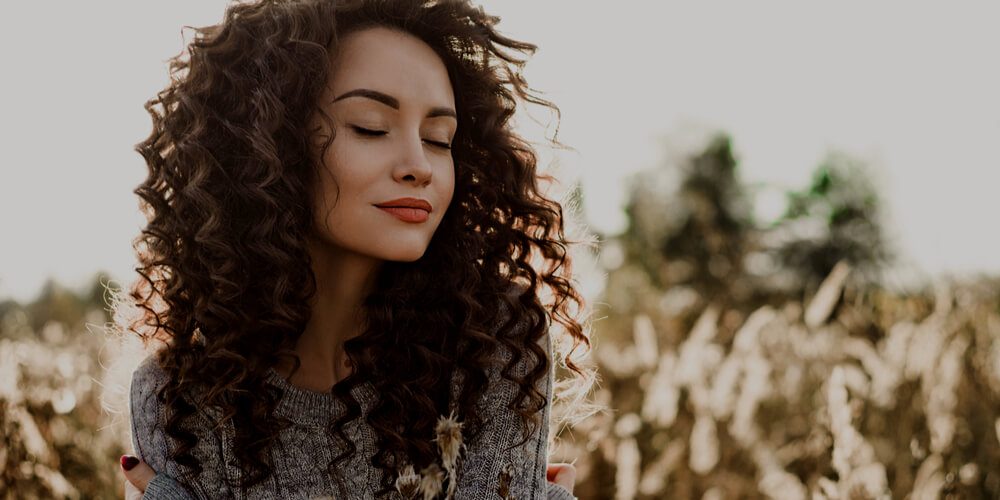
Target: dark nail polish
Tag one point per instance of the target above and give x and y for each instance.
(128, 462)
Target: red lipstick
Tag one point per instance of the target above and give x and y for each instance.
(407, 209)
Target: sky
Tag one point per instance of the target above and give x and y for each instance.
(909, 88)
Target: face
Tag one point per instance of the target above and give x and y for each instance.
(393, 112)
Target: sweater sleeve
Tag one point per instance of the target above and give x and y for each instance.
(148, 437)
(492, 466)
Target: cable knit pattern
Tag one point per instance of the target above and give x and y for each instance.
(490, 465)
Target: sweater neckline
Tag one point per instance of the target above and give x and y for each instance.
(309, 407)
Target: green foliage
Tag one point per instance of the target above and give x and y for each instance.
(838, 217)
(691, 225)
(695, 234)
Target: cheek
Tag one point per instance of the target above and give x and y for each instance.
(342, 184)
(352, 166)
(448, 183)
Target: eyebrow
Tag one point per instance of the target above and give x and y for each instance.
(392, 102)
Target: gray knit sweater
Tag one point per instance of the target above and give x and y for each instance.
(303, 450)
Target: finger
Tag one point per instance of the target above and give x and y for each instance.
(552, 470)
(137, 472)
(131, 492)
(566, 477)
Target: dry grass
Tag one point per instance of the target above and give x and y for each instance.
(854, 394)
(858, 394)
(61, 423)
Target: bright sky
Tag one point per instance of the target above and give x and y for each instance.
(911, 88)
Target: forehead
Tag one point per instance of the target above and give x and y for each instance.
(393, 62)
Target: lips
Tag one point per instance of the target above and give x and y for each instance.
(406, 203)
(407, 209)
(406, 214)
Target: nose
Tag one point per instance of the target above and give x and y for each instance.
(413, 165)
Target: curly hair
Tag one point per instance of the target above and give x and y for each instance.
(224, 275)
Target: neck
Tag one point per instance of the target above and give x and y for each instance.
(343, 280)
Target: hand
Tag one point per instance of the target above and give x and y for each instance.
(562, 474)
(137, 475)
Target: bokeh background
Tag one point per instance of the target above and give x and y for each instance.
(794, 291)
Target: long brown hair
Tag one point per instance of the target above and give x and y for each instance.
(225, 276)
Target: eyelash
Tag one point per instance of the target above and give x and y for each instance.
(378, 133)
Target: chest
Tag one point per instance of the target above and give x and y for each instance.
(304, 464)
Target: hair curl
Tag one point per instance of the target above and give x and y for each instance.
(225, 277)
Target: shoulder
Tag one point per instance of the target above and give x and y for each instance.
(147, 380)
(148, 413)
(151, 443)
(510, 357)
(148, 439)
(515, 360)
(148, 375)
(521, 321)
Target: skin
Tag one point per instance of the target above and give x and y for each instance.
(406, 156)
(409, 159)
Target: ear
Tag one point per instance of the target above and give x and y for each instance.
(137, 472)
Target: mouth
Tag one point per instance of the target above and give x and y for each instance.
(406, 214)
(406, 203)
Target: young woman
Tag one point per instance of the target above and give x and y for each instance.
(340, 262)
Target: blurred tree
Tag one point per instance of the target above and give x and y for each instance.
(55, 303)
(838, 217)
(696, 232)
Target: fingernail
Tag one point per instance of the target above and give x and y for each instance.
(129, 461)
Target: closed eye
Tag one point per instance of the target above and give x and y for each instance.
(442, 145)
(377, 133)
(368, 132)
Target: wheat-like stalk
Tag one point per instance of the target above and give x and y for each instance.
(449, 440)
(432, 480)
(408, 482)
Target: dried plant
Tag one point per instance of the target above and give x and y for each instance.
(408, 482)
(878, 393)
(449, 440)
(432, 481)
(859, 393)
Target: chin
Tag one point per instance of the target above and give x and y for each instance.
(405, 254)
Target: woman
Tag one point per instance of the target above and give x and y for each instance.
(338, 261)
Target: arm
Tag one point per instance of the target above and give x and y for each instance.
(492, 467)
(148, 438)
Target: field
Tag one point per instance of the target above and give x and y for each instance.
(854, 394)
